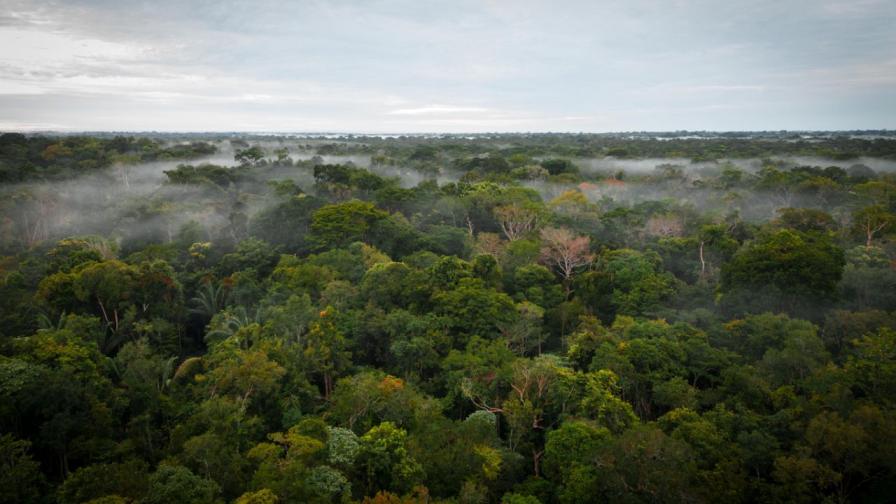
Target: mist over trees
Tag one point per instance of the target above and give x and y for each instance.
(531, 318)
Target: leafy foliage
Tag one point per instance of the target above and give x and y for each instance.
(498, 318)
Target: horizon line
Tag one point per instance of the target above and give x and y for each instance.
(420, 133)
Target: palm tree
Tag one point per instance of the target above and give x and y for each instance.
(45, 324)
(233, 322)
(209, 300)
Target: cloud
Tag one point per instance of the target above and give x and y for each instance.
(854, 7)
(466, 65)
(437, 110)
(723, 88)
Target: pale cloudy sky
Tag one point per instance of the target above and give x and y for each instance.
(454, 66)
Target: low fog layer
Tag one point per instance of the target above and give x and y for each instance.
(137, 202)
(611, 165)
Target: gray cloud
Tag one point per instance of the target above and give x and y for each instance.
(469, 65)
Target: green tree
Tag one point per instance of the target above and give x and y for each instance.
(367, 399)
(128, 479)
(791, 268)
(571, 452)
(326, 350)
(263, 496)
(250, 156)
(341, 224)
(472, 309)
(178, 484)
(869, 282)
(385, 460)
(20, 476)
(873, 365)
(644, 464)
(806, 220)
(627, 282)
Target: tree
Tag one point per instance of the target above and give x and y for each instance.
(644, 464)
(326, 349)
(665, 225)
(210, 299)
(481, 370)
(793, 268)
(127, 480)
(574, 205)
(525, 335)
(601, 403)
(342, 447)
(474, 310)
(290, 465)
(719, 467)
(343, 223)
(565, 253)
(385, 460)
(778, 183)
(754, 335)
(263, 496)
(869, 280)
(178, 484)
(860, 173)
(211, 443)
(842, 327)
(794, 359)
(20, 476)
(536, 284)
(515, 498)
(571, 452)
(250, 156)
(109, 286)
(517, 220)
(627, 282)
(282, 154)
(287, 222)
(871, 220)
(328, 484)
(558, 166)
(873, 365)
(806, 220)
(714, 239)
(540, 390)
(218, 177)
(244, 374)
(369, 398)
(845, 453)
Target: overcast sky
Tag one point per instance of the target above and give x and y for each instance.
(454, 66)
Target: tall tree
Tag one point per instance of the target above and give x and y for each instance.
(517, 220)
(871, 220)
(565, 253)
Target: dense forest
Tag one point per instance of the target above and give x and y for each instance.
(515, 319)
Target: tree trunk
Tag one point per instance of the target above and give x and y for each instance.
(328, 385)
(702, 261)
(536, 461)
